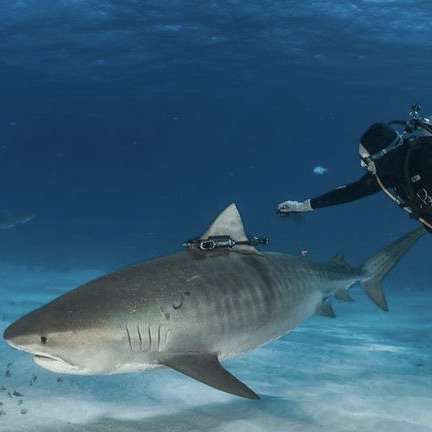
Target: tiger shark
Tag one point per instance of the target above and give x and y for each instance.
(219, 298)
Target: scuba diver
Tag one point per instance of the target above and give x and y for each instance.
(399, 164)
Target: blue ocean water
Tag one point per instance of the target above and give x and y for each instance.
(125, 127)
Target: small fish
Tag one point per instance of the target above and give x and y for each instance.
(304, 252)
(33, 379)
(320, 170)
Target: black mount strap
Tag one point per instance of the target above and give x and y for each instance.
(223, 242)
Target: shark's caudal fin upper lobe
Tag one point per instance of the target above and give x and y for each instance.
(376, 267)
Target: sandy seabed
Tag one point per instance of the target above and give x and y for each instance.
(366, 370)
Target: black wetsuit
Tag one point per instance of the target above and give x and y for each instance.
(407, 171)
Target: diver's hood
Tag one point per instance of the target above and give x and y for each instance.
(378, 137)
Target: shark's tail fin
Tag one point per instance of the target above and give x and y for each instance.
(375, 268)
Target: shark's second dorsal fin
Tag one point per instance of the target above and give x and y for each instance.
(339, 260)
(229, 223)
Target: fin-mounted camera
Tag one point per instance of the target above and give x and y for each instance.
(223, 242)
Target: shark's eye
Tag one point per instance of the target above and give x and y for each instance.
(44, 339)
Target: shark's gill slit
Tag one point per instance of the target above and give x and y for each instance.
(129, 338)
(159, 338)
(139, 337)
(150, 338)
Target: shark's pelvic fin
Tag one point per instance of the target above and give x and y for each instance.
(325, 309)
(207, 369)
(229, 223)
(376, 267)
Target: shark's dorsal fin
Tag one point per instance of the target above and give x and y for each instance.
(339, 260)
(229, 223)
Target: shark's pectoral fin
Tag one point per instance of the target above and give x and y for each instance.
(207, 369)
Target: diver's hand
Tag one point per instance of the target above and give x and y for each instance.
(293, 206)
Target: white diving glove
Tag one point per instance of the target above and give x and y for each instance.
(293, 206)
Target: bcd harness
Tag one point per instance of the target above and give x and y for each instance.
(417, 201)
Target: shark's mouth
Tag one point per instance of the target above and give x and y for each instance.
(44, 357)
(54, 364)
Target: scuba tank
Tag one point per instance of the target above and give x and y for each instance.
(418, 201)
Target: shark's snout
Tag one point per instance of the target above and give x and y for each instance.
(10, 334)
(23, 334)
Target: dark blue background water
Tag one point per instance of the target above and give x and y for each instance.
(126, 126)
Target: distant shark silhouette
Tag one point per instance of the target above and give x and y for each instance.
(9, 221)
(190, 310)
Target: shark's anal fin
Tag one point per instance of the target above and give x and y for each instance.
(343, 295)
(207, 369)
